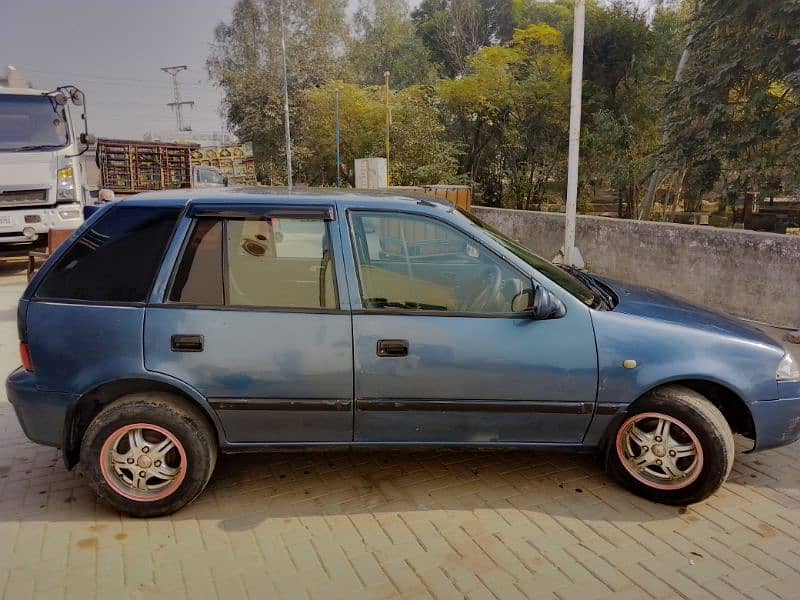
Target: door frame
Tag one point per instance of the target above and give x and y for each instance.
(575, 309)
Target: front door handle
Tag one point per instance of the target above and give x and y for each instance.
(187, 343)
(392, 347)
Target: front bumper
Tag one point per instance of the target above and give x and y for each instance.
(39, 219)
(777, 421)
(40, 413)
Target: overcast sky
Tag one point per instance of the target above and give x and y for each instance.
(113, 50)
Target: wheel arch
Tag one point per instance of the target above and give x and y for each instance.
(89, 404)
(732, 406)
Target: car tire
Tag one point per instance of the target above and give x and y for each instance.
(687, 463)
(149, 454)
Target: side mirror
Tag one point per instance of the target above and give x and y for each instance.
(77, 97)
(88, 139)
(539, 303)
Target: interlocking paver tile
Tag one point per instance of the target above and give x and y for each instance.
(399, 525)
(391, 525)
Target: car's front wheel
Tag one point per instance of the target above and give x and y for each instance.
(149, 454)
(673, 447)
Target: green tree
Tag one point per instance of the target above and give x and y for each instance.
(628, 66)
(478, 105)
(510, 115)
(453, 30)
(420, 152)
(361, 118)
(245, 61)
(385, 40)
(737, 102)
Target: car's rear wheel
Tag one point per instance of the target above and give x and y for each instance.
(149, 454)
(673, 447)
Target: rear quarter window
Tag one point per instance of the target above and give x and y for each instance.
(115, 260)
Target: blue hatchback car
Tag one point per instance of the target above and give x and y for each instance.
(178, 325)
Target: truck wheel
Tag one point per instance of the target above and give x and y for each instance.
(673, 447)
(149, 454)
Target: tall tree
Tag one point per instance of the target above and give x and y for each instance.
(421, 153)
(628, 65)
(738, 99)
(245, 61)
(385, 40)
(510, 115)
(453, 30)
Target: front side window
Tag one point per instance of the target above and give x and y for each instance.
(267, 263)
(562, 277)
(29, 123)
(115, 260)
(413, 262)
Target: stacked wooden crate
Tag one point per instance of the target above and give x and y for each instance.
(130, 166)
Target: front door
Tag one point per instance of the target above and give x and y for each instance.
(252, 320)
(440, 356)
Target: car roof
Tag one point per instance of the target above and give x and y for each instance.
(387, 199)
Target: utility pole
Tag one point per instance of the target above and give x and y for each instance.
(178, 104)
(388, 122)
(287, 131)
(571, 255)
(338, 155)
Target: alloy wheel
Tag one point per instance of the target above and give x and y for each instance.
(660, 451)
(143, 462)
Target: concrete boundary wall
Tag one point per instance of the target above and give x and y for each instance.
(746, 273)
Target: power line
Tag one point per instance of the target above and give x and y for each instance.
(113, 79)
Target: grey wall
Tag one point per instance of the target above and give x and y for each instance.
(746, 273)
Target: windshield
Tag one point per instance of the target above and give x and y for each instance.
(31, 123)
(546, 268)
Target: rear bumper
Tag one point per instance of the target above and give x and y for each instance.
(777, 421)
(40, 413)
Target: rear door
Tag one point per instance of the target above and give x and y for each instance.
(253, 319)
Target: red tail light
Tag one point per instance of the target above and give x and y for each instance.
(25, 355)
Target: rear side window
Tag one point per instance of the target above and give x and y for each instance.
(115, 260)
(266, 263)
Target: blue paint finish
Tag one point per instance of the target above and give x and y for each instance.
(259, 354)
(476, 358)
(671, 339)
(74, 346)
(563, 364)
(40, 413)
(778, 421)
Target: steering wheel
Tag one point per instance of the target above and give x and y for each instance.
(493, 281)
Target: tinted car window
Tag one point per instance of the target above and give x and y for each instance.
(269, 263)
(199, 278)
(115, 260)
(418, 263)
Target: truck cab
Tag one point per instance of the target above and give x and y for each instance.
(42, 186)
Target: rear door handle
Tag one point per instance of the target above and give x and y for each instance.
(187, 343)
(392, 347)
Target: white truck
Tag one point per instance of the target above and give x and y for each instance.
(42, 184)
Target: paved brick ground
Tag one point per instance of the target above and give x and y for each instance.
(397, 525)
